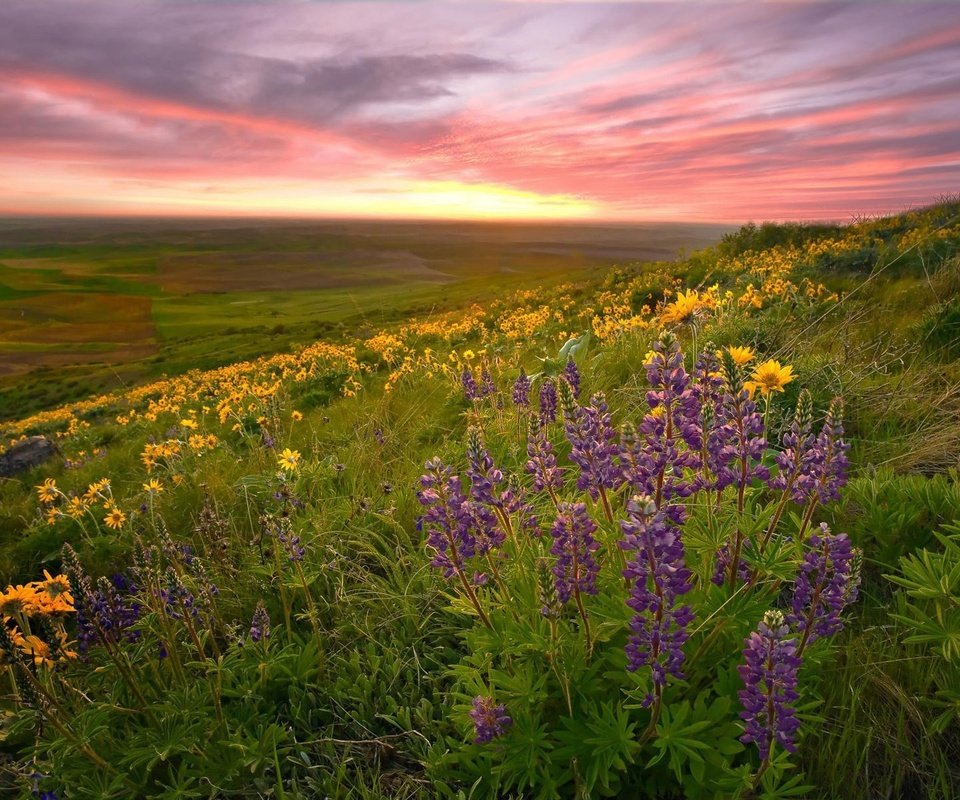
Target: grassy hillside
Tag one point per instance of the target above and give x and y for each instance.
(88, 306)
(266, 593)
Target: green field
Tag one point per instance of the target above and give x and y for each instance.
(88, 307)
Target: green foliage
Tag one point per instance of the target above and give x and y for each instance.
(891, 515)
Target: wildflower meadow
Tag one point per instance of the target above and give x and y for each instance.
(682, 529)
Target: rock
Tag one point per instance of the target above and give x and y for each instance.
(26, 455)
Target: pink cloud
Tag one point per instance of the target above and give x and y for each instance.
(726, 112)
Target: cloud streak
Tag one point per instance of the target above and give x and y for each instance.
(624, 111)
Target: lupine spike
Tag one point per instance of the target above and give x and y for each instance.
(568, 400)
(576, 567)
(804, 413)
(769, 675)
(572, 375)
(260, 623)
(521, 390)
(548, 401)
(659, 578)
(826, 583)
(489, 719)
(547, 591)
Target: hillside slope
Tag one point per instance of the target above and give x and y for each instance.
(601, 455)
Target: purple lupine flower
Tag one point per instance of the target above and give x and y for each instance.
(770, 686)
(487, 386)
(521, 390)
(291, 544)
(485, 527)
(178, 600)
(107, 614)
(542, 463)
(548, 401)
(489, 719)
(576, 567)
(447, 519)
(793, 461)
(736, 443)
(707, 378)
(659, 577)
(708, 386)
(826, 583)
(486, 499)
(572, 375)
(827, 462)
(470, 389)
(654, 456)
(721, 569)
(482, 472)
(591, 437)
(260, 623)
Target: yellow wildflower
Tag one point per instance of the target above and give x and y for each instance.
(769, 377)
(296, 416)
(741, 355)
(153, 486)
(115, 518)
(683, 309)
(47, 491)
(289, 460)
(56, 587)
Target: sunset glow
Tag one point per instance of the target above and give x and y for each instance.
(499, 110)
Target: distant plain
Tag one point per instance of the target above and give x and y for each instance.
(89, 305)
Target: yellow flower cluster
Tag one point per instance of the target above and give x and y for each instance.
(524, 324)
(55, 504)
(49, 598)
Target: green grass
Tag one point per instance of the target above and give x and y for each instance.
(220, 294)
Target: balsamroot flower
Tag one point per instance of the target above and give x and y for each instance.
(684, 309)
(548, 401)
(521, 390)
(659, 577)
(769, 377)
(741, 355)
(289, 460)
(769, 676)
(573, 544)
(489, 719)
(826, 583)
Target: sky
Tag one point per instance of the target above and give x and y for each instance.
(688, 111)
